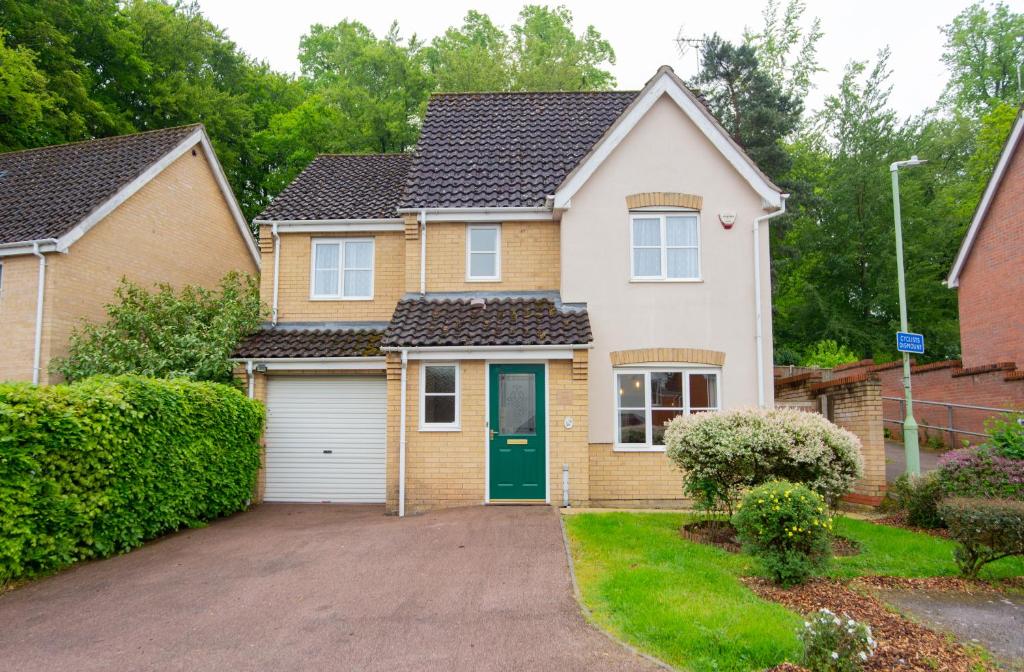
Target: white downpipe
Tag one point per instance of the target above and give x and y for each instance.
(758, 317)
(423, 252)
(277, 265)
(401, 439)
(38, 351)
(250, 379)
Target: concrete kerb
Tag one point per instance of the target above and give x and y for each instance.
(588, 616)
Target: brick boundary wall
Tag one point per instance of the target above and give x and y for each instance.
(995, 385)
(853, 402)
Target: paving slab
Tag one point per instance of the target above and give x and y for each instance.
(993, 620)
(317, 587)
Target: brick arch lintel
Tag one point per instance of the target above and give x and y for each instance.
(664, 355)
(668, 198)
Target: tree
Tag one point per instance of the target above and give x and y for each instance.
(29, 111)
(787, 52)
(548, 56)
(983, 52)
(752, 107)
(167, 334)
(473, 57)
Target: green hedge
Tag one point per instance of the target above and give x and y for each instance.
(98, 467)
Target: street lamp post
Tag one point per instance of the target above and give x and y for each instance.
(909, 424)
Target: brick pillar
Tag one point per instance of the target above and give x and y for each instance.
(857, 407)
(394, 376)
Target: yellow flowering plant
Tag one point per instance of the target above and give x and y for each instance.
(786, 526)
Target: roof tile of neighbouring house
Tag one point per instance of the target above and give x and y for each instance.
(47, 191)
(505, 149)
(426, 322)
(270, 343)
(343, 186)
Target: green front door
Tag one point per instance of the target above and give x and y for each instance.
(518, 434)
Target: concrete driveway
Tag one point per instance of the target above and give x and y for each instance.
(317, 587)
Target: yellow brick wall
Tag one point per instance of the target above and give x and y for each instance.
(18, 316)
(294, 304)
(530, 258)
(633, 479)
(176, 229)
(445, 469)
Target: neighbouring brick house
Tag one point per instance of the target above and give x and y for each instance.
(989, 270)
(76, 218)
(529, 296)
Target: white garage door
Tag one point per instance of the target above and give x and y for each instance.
(325, 439)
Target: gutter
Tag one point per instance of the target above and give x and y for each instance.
(401, 439)
(277, 266)
(487, 348)
(758, 317)
(40, 295)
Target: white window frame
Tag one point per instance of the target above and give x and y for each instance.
(646, 371)
(339, 295)
(497, 253)
(454, 426)
(663, 216)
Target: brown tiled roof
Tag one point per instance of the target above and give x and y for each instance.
(424, 322)
(343, 186)
(505, 149)
(274, 342)
(45, 192)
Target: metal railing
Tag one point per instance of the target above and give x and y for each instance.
(950, 407)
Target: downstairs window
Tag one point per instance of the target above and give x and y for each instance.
(645, 399)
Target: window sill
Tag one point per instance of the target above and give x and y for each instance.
(440, 428)
(636, 448)
(498, 279)
(667, 280)
(341, 298)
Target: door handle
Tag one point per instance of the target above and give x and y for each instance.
(493, 434)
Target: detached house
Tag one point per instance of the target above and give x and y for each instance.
(74, 219)
(512, 312)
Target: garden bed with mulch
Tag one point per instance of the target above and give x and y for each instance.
(899, 519)
(902, 644)
(722, 534)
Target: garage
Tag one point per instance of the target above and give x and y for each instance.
(325, 438)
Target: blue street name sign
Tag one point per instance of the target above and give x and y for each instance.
(908, 342)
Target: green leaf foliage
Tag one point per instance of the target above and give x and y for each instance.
(985, 529)
(827, 354)
(186, 333)
(98, 467)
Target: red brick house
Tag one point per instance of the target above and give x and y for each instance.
(989, 270)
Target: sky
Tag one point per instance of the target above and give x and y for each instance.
(642, 32)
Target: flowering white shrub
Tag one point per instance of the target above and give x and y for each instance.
(723, 453)
(835, 643)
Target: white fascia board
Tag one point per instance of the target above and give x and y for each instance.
(986, 200)
(334, 225)
(496, 352)
(486, 214)
(28, 247)
(127, 191)
(317, 363)
(666, 84)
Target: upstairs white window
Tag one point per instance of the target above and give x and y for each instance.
(646, 399)
(665, 246)
(342, 268)
(483, 253)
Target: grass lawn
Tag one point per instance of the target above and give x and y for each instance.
(683, 602)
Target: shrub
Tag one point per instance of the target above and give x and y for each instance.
(166, 334)
(1006, 435)
(98, 467)
(722, 454)
(787, 528)
(980, 472)
(985, 530)
(919, 496)
(835, 644)
(827, 354)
